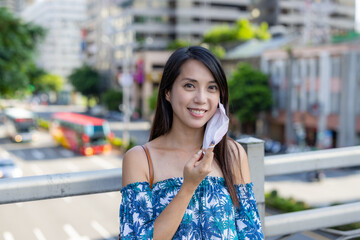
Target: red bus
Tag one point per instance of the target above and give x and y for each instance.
(80, 133)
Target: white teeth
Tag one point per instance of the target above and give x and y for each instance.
(197, 111)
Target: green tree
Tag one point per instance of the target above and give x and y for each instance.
(249, 93)
(18, 41)
(218, 50)
(241, 31)
(220, 34)
(178, 43)
(152, 100)
(86, 81)
(49, 82)
(245, 30)
(34, 73)
(112, 99)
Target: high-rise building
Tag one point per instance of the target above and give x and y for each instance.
(60, 52)
(129, 26)
(317, 20)
(152, 25)
(97, 39)
(15, 6)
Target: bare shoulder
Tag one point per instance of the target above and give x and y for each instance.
(134, 166)
(240, 162)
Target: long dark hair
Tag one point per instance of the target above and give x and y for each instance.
(164, 114)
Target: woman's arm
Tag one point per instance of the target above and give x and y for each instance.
(195, 170)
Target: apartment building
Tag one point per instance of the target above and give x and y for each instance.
(315, 96)
(60, 53)
(15, 6)
(152, 25)
(318, 20)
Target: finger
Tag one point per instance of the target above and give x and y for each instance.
(207, 155)
(195, 157)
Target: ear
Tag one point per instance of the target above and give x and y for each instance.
(167, 95)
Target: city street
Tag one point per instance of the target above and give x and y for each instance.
(139, 131)
(81, 217)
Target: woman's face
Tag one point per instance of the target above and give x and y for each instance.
(194, 96)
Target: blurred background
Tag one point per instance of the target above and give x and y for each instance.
(79, 79)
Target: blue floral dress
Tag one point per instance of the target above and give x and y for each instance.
(209, 215)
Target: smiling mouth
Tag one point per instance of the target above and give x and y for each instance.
(197, 111)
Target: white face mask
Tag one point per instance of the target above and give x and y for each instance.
(216, 127)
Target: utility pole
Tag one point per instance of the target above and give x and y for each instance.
(126, 81)
(289, 126)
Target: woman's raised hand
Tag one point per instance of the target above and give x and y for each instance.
(197, 168)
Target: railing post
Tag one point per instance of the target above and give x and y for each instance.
(255, 151)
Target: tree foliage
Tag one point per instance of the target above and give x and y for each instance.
(152, 100)
(49, 82)
(220, 34)
(178, 43)
(218, 50)
(18, 41)
(112, 99)
(249, 93)
(86, 81)
(242, 30)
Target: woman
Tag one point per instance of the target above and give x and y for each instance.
(174, 189)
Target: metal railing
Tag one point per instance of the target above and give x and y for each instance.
(34, 188)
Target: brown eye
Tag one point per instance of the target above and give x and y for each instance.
(189, 85)
(213, 88)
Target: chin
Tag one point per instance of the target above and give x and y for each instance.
(197, 125)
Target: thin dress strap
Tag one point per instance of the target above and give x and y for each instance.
(151, 170)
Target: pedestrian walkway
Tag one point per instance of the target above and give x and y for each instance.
(339, 186)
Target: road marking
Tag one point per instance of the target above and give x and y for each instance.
(4, 154)
(102, 163)
(8, 236)
(72, 167)
(39, 235)
(37, 170)
(72, 233)
(66, 153)
(101, 230)
(37, 154)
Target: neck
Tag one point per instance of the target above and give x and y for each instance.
(185, 138)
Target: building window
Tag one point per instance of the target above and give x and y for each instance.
(139, 19)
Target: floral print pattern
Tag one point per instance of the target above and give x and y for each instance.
(209, 215)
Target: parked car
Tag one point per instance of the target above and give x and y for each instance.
(99, 111)
(115, 115)
(8, 168)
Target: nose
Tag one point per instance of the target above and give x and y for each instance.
(200, 97)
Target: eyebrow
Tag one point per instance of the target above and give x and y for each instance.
(194, 80)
